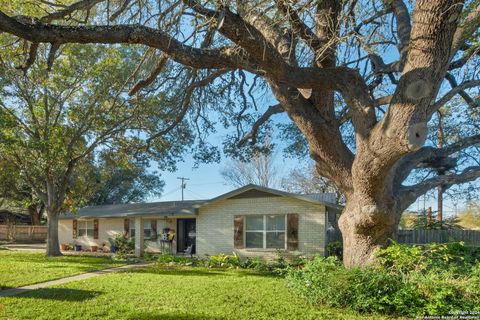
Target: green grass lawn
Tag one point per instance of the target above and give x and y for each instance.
(24, 268)
(158, 293)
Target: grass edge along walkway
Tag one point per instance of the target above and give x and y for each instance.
(82, 276)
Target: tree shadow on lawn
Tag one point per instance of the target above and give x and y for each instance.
(171, 316)
(60, 294)
(195, 271)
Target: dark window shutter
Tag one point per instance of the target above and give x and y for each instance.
(75, 229)
(153, 226)
(238, 222)
(292, 231)
(126, 228)
(95, 228)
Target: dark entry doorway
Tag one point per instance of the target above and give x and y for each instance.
(187, 233)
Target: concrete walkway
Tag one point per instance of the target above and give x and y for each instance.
(83, 276)
(27, 247)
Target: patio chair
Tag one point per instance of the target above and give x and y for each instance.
(188, 250)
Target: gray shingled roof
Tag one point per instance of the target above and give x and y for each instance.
(182, 208)
(165, 208)
(303, 197)
(323, 197)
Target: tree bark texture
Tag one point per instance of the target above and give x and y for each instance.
(53, 245)
(35, 214)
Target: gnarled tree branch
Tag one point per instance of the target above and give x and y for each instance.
(134, 34)
(251, 135)
(458, 89)
(409, 194)
(151, 77)
(427, 156)
(467, 27)
(186, 103)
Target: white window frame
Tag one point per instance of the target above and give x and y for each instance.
(131, 224)
(147, 222)
(85, 224)
(264, 231)
(132, 228)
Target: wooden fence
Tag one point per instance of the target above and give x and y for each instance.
(23, 233)
(470, 237)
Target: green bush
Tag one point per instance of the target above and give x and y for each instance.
(437, 279)
(335, 249)
(166, 259)
(124, 246)
(223, 261)
(278, 266)
(406, 258)
(255, 263)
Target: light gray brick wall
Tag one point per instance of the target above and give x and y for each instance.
(107, 228)
(215, 224)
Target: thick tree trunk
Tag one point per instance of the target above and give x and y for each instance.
(365, 229)
(53, 246)
(35, 214)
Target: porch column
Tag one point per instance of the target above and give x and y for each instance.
(139, 239)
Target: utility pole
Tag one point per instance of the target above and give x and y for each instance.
(440, 171)
(184, 185)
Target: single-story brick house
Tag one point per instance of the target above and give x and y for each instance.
(251, 221)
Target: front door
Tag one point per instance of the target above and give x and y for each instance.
(187, 233)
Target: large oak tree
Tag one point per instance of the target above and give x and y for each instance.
(383, 62)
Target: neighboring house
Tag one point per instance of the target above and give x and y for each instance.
(251, 221)
(10, 217)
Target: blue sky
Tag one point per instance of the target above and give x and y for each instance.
(206, 181)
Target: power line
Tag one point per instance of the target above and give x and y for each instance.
(193, 195)
(170, 192)
(204, 184)
(197, 194)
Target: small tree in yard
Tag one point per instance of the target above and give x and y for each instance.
(258, 169)
(307, 180)
(56, 119)
(17, 194)
(120, 178)
(360, 80)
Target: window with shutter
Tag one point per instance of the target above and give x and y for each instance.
(153, 227)
(265, 231)
(85, 228)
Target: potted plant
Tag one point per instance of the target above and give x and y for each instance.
(63, 247)
(113, 245)
(94, 248)
(77, 247)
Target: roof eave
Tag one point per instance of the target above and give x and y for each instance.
(271, 191)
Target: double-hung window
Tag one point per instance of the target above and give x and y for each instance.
(147, 228)
(132, 228)
(85, 228)
(265, 231)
